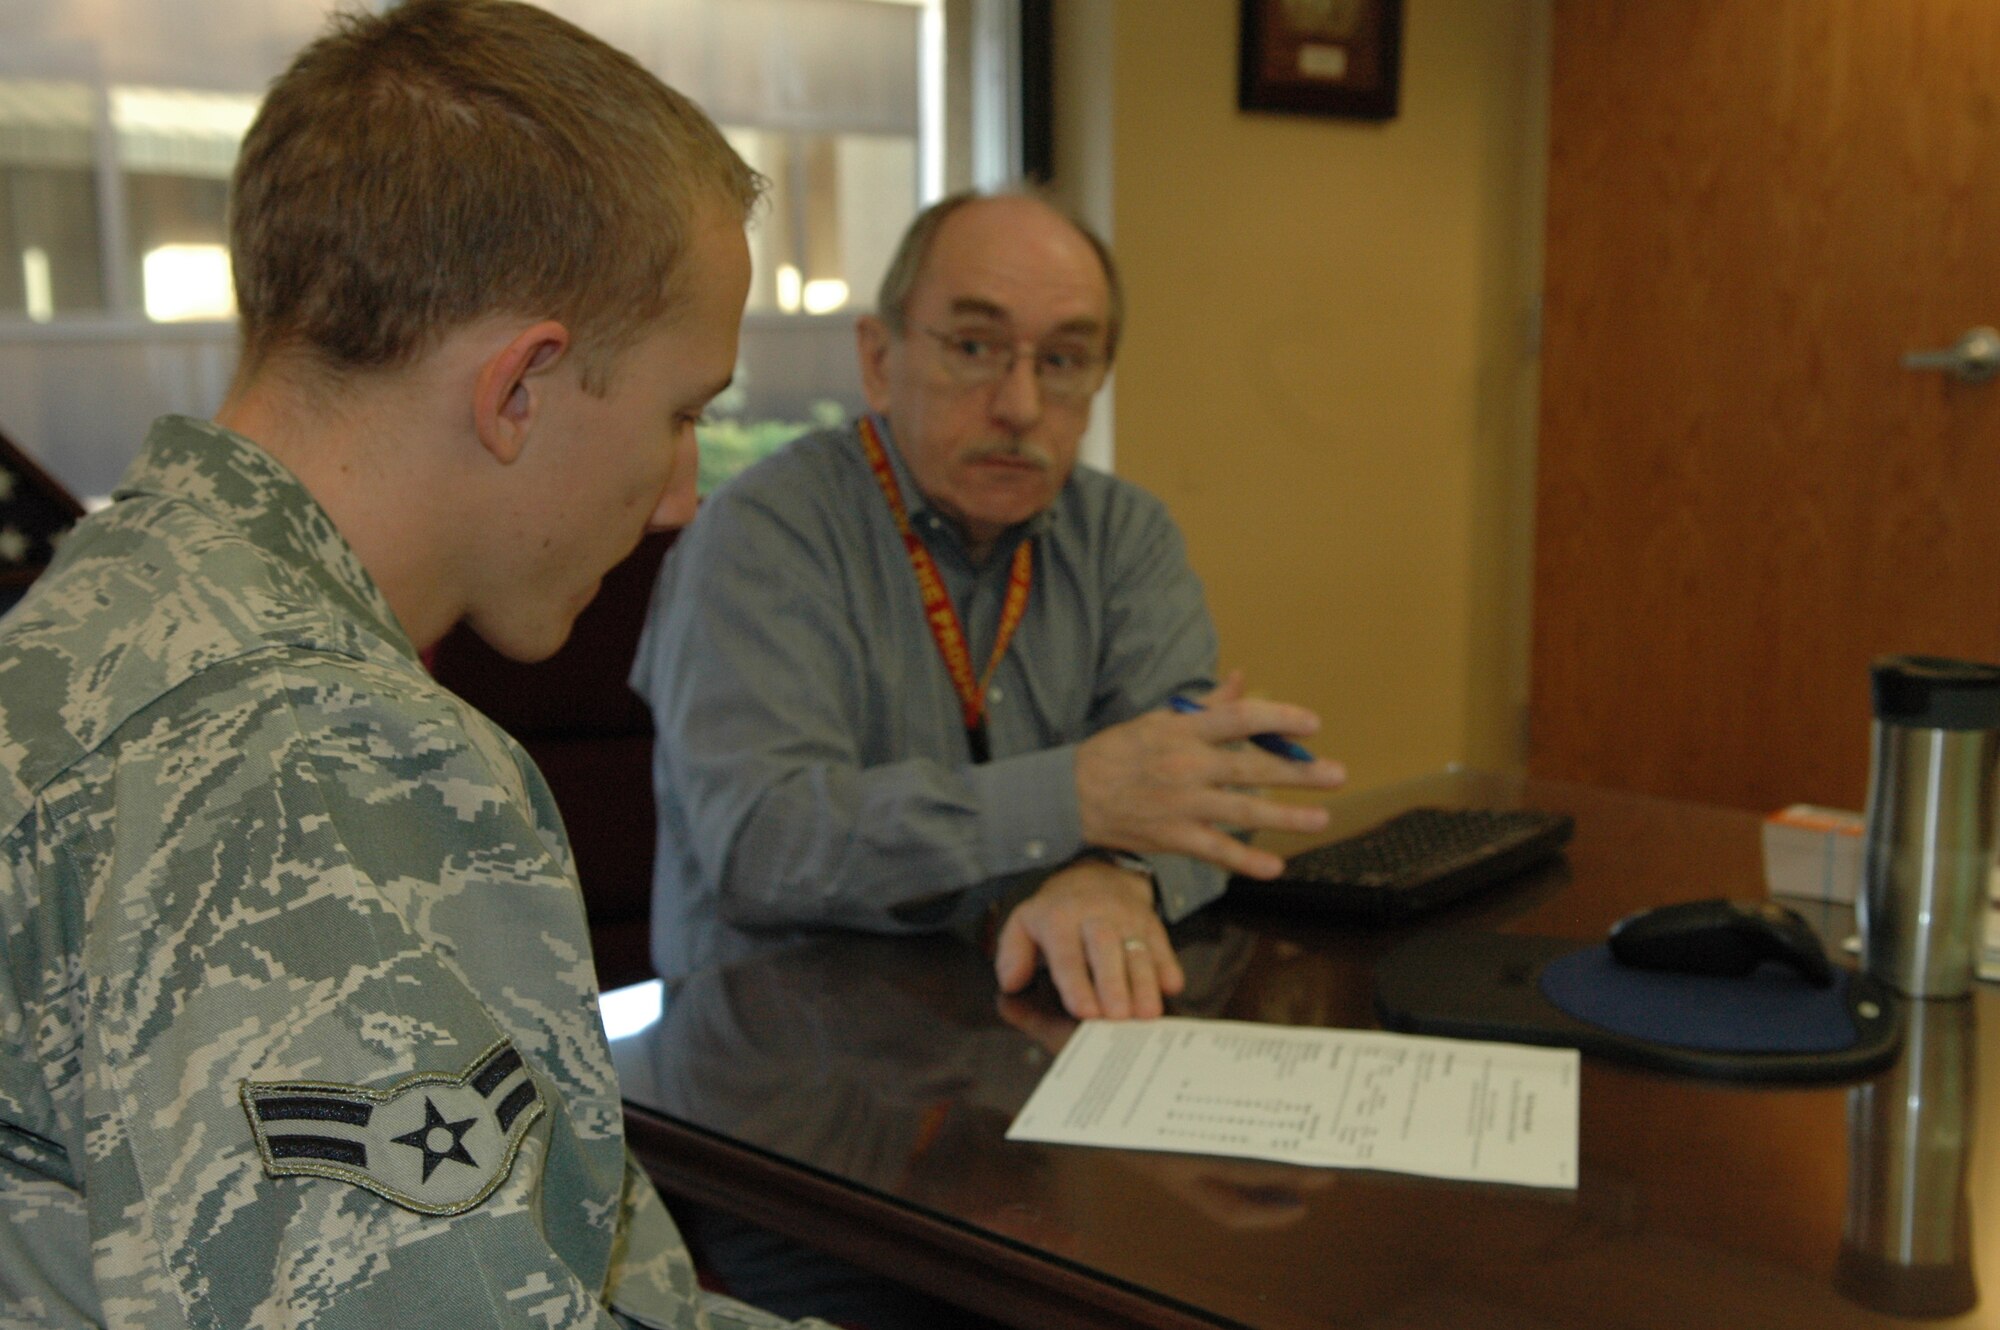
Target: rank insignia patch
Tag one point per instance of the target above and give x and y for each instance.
(434, 1143)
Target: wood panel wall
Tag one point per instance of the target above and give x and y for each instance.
(1743, 497)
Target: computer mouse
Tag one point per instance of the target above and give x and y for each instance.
(1720, 937)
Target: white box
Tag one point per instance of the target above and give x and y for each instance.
(1813, 853)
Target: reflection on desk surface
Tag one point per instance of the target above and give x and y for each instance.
(891, 1066)
(887, 1062)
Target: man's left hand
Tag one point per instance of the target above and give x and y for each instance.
(1094, 926)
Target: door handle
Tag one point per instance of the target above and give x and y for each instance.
(1973, 358)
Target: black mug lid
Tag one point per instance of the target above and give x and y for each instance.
(1936, 693)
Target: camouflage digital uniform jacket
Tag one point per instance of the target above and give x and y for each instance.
(299, 1021)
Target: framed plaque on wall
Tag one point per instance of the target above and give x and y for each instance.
(1323, 57)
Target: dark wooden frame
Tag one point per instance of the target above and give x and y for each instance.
(1038, 74)
(1358, 78)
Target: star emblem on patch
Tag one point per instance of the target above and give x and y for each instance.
(438, 1142)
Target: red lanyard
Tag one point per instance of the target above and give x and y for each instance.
(938, 612)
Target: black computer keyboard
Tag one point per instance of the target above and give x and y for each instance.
(1414, 862)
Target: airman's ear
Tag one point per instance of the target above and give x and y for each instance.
(507, 396)
(874, 343)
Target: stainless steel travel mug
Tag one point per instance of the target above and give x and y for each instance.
(1928, 841)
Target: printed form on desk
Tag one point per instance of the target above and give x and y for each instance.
(1442, 1108)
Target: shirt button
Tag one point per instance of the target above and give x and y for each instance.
(1035, 849)
(994, 694)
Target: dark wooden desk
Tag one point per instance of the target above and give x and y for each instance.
(854, 1095)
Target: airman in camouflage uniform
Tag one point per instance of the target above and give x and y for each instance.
(300, 1022)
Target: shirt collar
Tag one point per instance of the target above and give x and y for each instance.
(237, 482)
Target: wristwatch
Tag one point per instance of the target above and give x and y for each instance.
(1131, 863)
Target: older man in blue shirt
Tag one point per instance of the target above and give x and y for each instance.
(925, 676)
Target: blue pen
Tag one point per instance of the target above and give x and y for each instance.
(1270, 743)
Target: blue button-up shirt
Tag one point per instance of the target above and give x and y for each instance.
(812, 769)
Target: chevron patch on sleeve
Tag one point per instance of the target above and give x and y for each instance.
(434, 1143)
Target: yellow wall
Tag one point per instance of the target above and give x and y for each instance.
(1328, 372)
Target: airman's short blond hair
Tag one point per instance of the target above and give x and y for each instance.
(448, 160)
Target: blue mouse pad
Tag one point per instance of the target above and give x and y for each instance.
(1769, 1010)
(1765, 1026)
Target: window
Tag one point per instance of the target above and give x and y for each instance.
(120, 120)
(49, 255)
(175, 151)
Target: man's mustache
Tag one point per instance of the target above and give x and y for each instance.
(1014, 450)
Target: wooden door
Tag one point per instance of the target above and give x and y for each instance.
(1755, 209)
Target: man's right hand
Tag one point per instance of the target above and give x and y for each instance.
(1165, 782)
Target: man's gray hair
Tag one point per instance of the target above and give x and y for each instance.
(907, 264)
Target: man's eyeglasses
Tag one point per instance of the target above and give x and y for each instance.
(1065, 370)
